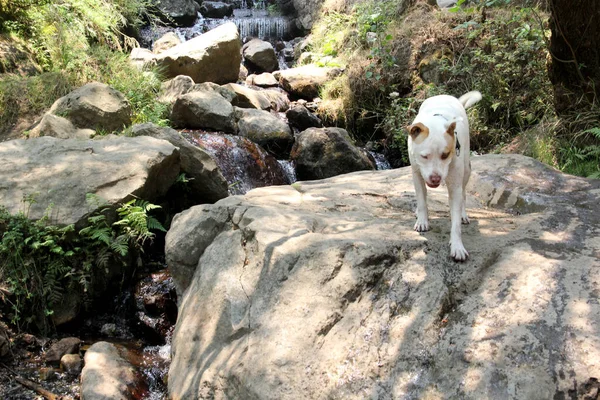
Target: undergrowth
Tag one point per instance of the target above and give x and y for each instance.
(42, 263)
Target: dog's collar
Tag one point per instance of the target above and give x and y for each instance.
(455, 136)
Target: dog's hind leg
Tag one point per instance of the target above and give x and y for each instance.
(463, 212)
(456, 199)
(422, 223)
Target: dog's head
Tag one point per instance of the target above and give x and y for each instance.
(432, 148)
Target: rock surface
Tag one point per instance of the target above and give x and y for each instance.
(305, 81)
(216, 9)
(301, 118)
(69, 345)
(165, 42)
(260, 56)
(180, 12)
(59, 127)
(323, 290)
(247, 97)
(203, 109)
(325, 152)
(95, 106)
(108, 375)
(265, 129)
(61, 172)
(211, 57)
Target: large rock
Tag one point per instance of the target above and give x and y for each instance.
(95, 106)
(61, 172)
(265, 129)
(203, 109)
(305, 81)
(165, 42)
(211, 57)
(173, 88)
(59, 127)
(323, 290)
(324, 152)
(108, 375)
(206, 184)
(216, 9)
(279, 100)
(179, 12)
(260, 56)
(301, 118)
(141, 58)
(248, 98)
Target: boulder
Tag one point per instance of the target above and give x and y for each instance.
(266, 79)
(173, 88)
(140, 57)
(71, 364)
(95, 106)
(260, 56)
(205, 110)
(301, 118)
(306, 81)
(206, 184)
(108, 375)
(60, 173)
(165, 42)
(224, 91)
(64, 346)
(279, 100)
(301, 292)
(248, 98)
(216, 9)
(325, 152)
(59, 127)
(211, 57)
(265, 129)
(178, 12)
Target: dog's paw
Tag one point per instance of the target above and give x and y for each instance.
(465, 220)
(458, 252)
(421, 225)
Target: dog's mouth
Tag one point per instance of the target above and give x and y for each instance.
(431, 185)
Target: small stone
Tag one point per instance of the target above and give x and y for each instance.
(47, 374)
(109, 330)
(71, 364)
(64, 346)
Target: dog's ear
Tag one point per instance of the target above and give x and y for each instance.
(415, 130)
(451, 128)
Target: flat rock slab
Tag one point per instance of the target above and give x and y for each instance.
(61, 172)
(322, 290)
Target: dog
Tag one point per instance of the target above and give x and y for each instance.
(438, 149)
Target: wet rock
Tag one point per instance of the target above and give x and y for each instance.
(108, 375)
(204, 110)
(156, 302)
(64, 346)
(301, 118)
(305, 285)
(180, 12)
(211, 57)
(173, 88)
(95, 106)
(59, 127)
(71, 364)
(207, 184)
(109, 330)
(305, 81)
(47, 374)
(325, 152)
(216, 9)
(260, 56)
(104, 167)
(265, 79)
(167, 41)
(265, 129)
(279, 99)
(248, 98)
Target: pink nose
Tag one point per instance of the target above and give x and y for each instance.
(435, 179)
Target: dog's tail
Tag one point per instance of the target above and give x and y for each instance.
(469, 99)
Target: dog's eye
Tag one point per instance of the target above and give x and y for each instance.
(445, 155)
(425, 157)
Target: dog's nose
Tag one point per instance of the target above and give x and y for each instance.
(435, 179)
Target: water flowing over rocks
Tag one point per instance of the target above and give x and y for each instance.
(265, 129)
(325, 152)
(211, 57)
(324, 290)
(61, 172)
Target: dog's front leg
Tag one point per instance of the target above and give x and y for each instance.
(422, 223)
(457, 249)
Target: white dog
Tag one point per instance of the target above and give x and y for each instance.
(438, 148)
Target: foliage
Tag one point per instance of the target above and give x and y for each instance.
(582, 159)
(41, 262)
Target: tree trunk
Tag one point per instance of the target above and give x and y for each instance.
(575, 51)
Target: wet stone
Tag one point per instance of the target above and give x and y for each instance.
(71, 364)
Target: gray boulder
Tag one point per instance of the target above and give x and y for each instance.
(207, 184)
(211, 57)
(140, 57)
(225, 91)
(178, 12)
(95, 106)
(165, 42)
(279, 99)
(248, 98)
(173, 88)
(216, 9)
(302, 292)
(69, 345)
(325, 152)
(301, 118)
(266, 130)
(108, 375)
(265, 79)
(59, 127)
(203, 109)
(60, 173)
(260, 56)
(305, 81)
